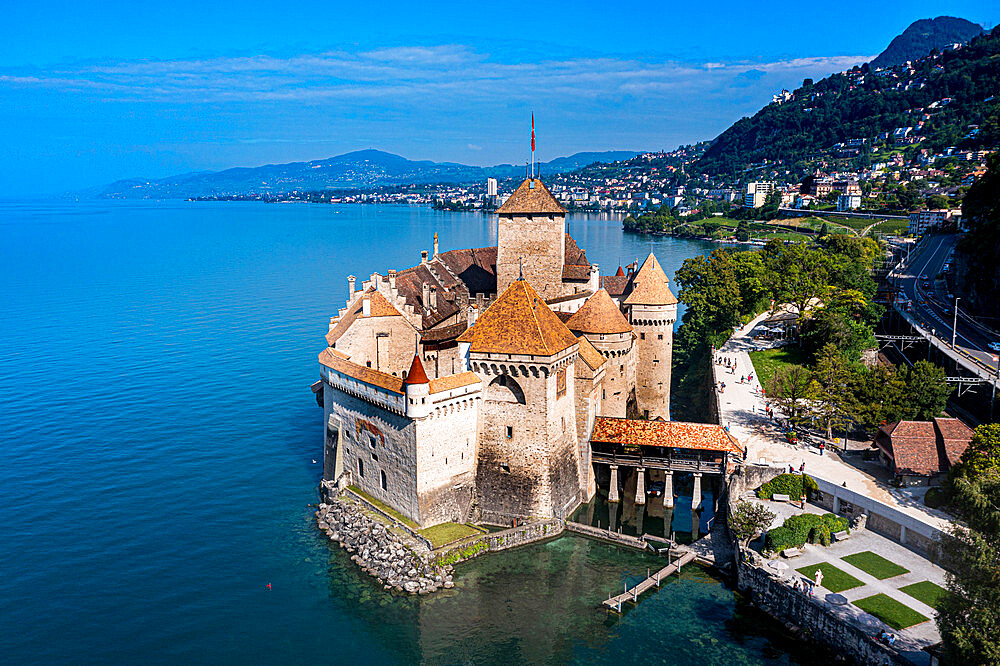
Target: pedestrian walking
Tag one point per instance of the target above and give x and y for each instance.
(802, 467)
(822, 445)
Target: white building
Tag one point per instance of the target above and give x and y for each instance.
(756, 193)
(848, 202)
(491, 187)
(922, 220)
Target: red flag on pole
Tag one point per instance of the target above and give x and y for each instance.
(532, 132)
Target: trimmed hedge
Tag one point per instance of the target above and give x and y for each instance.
(788, 484)
(797, 530)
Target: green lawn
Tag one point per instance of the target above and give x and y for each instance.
(768, 361)
(890, 611)
(876, 565)
(445, 533)
(927, 592)
(386, 508)
(892, 227)
(834, 579)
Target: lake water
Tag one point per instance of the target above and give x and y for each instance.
(157, 447)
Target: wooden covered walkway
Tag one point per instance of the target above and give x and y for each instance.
(615, 603)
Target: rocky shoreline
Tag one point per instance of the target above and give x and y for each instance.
(380, 552)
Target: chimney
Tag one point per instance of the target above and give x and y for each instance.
(426, 295)
(434, 298)
(350, 287)
(392, 279)
(479, 301)
(423, 256)
(366, 307)
(435, 243)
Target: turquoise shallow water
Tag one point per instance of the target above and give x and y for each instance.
(157, 434)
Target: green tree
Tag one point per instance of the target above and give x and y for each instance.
(983, 453)
(824, 230)
(936, 202)
(832, 400)
(789, 389)
(926, 391)
(969, 618)
(879, 393)
(797, 274)
(749, 520)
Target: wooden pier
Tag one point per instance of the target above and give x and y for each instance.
(606, 535)
(615, 603)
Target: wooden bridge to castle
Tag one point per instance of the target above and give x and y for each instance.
(632, 594)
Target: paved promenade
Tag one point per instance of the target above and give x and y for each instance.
(741, 407)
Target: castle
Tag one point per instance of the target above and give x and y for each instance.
(468, 386)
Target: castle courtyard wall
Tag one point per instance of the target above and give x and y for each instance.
(446, 458)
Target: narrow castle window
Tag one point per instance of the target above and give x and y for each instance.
(361, 467)
(383, 480)
(368, 363)
(505, 468)
(642, 336)
(564, 424)
(374, 457)
(372, 442)
(660, 336)
(510, 432)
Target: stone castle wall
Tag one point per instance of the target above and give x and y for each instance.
(372, 441)
(618, 388)
(446, 458)
(382, 343)
(536, 245)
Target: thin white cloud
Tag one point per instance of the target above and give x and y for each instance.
(446, 74)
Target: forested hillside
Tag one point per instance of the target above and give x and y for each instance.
(949, 99)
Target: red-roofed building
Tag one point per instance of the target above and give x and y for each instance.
(920, 452)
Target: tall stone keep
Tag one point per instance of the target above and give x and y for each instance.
(531, 240)
(528, 460)
(652, 311)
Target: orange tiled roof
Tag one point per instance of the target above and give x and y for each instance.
(599, 314)
(530, 199)
(360, 372)
(454, 381)
(649, 286)
(588, 352)
(519, 322)
(675, 434)
(416, 375)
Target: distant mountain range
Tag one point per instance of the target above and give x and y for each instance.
(356, 170)
(925, 35)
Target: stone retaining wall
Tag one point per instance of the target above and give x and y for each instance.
(494, 542)
(814, 620)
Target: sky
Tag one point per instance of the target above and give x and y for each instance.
(95, 92)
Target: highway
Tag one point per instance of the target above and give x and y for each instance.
(932, 309)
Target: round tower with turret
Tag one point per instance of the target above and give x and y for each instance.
(652, 311)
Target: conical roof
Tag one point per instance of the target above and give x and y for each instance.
(599, 314)
(531, 198)
(649, 286)
(416, 375)
(620, 272)
(519, 322)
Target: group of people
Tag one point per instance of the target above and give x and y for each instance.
(805, 586)
(885, 637)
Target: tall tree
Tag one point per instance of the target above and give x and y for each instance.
(832, 400)
(926, 391)
(969, 618)
(797, 274)
(789, 389)
(879, 393)
(982, 454)
(750, 520)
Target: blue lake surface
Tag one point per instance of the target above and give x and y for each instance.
(157, 447)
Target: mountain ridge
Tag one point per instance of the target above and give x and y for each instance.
(359, 169)
(923, 36)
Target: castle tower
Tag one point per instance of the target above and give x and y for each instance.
(528, 460)
(416, 386)
(531, 240)
(603, 324)
(652, 311)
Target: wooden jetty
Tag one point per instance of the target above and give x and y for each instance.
(606, 535)
(615, 603)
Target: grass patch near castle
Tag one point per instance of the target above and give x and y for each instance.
(769, 361)
(927, 592)
(890, 611)
(876, 565)
(445, 533)
(834, 579)
(382, 506)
